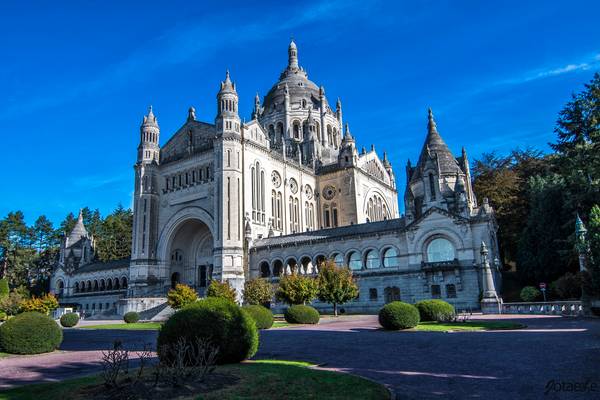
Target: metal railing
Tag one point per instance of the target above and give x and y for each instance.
(571, 308)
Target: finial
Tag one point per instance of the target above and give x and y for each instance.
(431, 126)
(293, 56)
(372, 147)
(321, 91)
(227, 74)
(191, 114)
(579, 226)
(484, 249)
(257, 98)
(80, 216)
(385, 156)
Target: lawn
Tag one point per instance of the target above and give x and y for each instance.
(434, 326)
(137, 326)
(263, 379)
(4, 354)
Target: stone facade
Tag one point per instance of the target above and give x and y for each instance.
(230, 200)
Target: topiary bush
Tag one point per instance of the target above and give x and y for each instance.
(69, 320)
(131, 317)
(30, 333)
(219, 320)
(261, 315)
(301, 314)
(529, 293)
(435, 310)
(398, 315)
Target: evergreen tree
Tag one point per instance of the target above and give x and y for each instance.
(114, 239)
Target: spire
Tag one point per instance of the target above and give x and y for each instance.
(347, 135)
(78, 230)
(150, 118)
(386, 162)
(579, 226)
(191, 114)
(292, 56)
(227, 85)
(256, 111)
(431, 126)
(338, 104)
(435, 148)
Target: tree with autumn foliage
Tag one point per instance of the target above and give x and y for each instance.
(336, 285)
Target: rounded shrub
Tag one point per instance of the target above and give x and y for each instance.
(217, 320)
(398, 315)
(529, 293)
(301, 314)
(435, 310)
(30, 333)
(131, 317)
(69, 320)
(261, 315)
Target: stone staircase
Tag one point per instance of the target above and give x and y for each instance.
(158, 313)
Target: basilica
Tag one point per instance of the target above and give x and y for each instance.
(279, 194)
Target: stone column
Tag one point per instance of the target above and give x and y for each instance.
(490, 303)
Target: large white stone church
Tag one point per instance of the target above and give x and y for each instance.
(232, 200)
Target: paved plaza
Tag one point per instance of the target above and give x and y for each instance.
(415, 365)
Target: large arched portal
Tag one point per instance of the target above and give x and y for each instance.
(190, 255)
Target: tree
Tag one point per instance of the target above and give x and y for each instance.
(44, 304)
(297, 289)
(544, 253)
(181, 296)
(114, 241)
(11, 304)
(578, 147)
(16, 248)
(4, 289)
(43, 234)
(222, 290)
(257, 291)
(336, 284)
(504, 181)
(67, 225)
(591, 277)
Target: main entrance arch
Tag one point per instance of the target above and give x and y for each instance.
(186, 250)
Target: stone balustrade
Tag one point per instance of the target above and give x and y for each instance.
(572, 308)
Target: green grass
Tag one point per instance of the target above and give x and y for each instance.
(434, 326)
(137, 326)
(280, 324)
(262, 379)
(2, 354)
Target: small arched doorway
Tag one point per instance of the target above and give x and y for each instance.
(175, 279)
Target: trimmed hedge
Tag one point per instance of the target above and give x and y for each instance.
(69, 320)
(398, 315)
(261, 315)
(435, 310)
(301, 314)
(529, 293)
(30, 333)
(219, 320)
(131, 317)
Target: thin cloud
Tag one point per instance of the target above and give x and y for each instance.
(589, 63)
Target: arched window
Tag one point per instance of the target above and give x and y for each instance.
(61, 288)
(291, 266)
(451, 291)
(109, 285)
(338, 258)
(372, 259)
(202, 276)
(265, 271)
(354, 261)
(391, 294)
(117, 285)
(431, 186)
(439, 250)
(390, 258)
(102, 284)
(279, 132)
(296, 129)
(124, 283)
(327, 216)
(334, 215)
(76, 287)
(277, 268)
(95, 286)
(279, 211)
(272, 133)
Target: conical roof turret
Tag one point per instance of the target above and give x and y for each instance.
(78, 230)
(435, 146)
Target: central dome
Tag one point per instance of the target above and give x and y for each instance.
(295, 79)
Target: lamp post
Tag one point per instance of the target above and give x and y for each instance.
(581, 242)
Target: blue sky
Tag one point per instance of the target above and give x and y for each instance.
(76, 79)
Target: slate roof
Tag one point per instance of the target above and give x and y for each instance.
(435, 146)
(104, 266)
(332, 233)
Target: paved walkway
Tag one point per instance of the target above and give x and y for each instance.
(416, 365)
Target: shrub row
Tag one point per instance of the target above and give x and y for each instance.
(69, 320)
